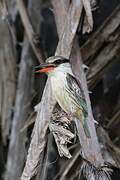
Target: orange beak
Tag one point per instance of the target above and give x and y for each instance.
(44, 68)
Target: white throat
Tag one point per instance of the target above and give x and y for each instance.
(62, 68)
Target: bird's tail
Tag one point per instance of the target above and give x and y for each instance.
(83, 117)
(86, 129)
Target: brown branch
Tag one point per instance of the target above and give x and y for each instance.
(34, 39)
(66, 39)
(103, 62)
(17, 150)
(103, 48)
(90, 146)
(104, 35)
(38, 141)
(7, 79)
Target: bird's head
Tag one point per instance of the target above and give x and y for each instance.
(51, 64)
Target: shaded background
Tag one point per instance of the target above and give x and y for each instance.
(21, 89)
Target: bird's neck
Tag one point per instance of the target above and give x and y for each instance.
(63, 68)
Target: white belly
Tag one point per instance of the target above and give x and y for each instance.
(58, 82)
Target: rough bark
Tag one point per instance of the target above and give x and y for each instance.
(17, 151)
(13, 10)
(103, 48)
(90, 147)
(33, 37)
(7, 79)
(104, 35)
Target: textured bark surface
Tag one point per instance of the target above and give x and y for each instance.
(34, 39)
(103, 48)
(7, 79)
(21, 49)
(90, 147)
(17, 150)
(102, 37)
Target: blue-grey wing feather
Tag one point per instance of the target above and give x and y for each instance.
(76, 92)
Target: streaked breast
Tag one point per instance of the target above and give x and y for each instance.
(58, 82)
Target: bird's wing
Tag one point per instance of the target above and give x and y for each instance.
(76, 92)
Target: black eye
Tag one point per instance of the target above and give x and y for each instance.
(60, 61)
(66, 61)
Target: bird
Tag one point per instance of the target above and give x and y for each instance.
(66, 88)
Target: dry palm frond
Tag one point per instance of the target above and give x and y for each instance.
(93, 173)
(60, 127)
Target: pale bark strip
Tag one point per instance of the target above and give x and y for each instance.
(46, 109)
(90, 147)
(13, 10)
(17, 151)
(69, 31)
(7, 79)
(88, 21)
(38, 141)
(60, 10)
(30, 30)
(71, 26)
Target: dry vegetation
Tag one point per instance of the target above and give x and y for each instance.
(35, 142)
